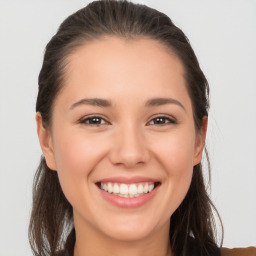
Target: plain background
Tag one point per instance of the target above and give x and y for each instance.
(223, 36)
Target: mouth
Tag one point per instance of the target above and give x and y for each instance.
(128, 190)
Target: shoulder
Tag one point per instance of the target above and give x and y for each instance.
(249, 251)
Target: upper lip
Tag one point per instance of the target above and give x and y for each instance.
(128, 180)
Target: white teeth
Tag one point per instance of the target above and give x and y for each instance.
(116, 189)
(150, 187)
(110, 188)
(140, 189)
(133, 189)
(123, 189)
(145, 190)
(127, 190)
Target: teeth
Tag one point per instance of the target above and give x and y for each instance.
(145, 189)
(127, 190)
(150, 187)
(140, 189)
(116, 189)
(124, 189)
(132, 189)
(110, 188)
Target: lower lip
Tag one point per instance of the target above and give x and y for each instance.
(130, 202)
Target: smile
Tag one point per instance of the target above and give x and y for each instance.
(128, 193)
(128, 190)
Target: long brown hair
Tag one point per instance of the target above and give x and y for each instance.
(51, 225)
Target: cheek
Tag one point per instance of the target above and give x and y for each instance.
(76, 152)
(176, 152)
(179, 164)
(76, 155)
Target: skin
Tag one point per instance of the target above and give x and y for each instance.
(127, 142)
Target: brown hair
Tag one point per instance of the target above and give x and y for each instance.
(51, 224)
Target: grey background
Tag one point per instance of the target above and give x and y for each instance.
(223, 36)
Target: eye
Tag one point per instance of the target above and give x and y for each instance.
(162, 120)
(93, 121)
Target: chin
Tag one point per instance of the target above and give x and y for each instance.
(131, 229)
(129, 234)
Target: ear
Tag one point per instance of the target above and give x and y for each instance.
(200, 141)
(45, 140)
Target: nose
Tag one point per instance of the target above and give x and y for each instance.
(129, 148)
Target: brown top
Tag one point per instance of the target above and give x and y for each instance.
(250, 251)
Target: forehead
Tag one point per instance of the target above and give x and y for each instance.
(112, 51)
(112, 66)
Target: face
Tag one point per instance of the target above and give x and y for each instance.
(122, 138)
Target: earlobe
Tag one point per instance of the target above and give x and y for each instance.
(45, 140)
(200, 141)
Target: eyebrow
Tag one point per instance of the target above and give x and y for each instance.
(93, 102)
(163, 101)
(106, 103)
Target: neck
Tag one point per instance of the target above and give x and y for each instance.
(90, 242)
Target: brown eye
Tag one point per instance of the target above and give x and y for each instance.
(94, 121)
(161, 120)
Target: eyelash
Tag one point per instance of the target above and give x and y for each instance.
(84, 121)
(166, 118)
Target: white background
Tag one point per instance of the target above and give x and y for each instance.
(223, 35)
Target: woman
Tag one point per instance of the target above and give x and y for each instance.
(121, 117)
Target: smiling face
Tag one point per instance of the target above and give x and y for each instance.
(122, 138)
